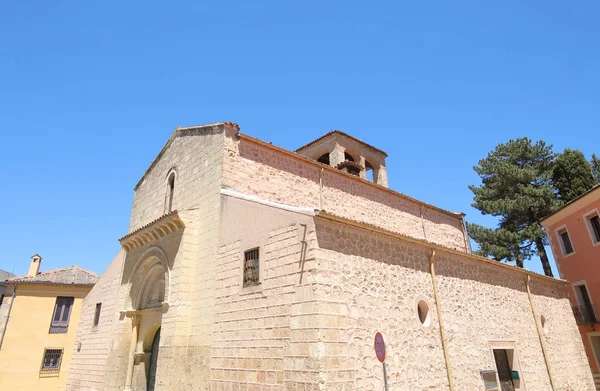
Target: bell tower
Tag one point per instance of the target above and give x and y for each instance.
(344, 152)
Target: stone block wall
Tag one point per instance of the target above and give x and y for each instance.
(263, 336)
(89, 363)
(195, 154)
(256, 169)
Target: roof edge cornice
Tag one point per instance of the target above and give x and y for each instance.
(154, 230)
(176, 133)
(456, 215)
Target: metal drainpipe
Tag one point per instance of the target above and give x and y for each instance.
(8, 315)
(466, 233)
(321, 189)
(440, 320)
(537, 327)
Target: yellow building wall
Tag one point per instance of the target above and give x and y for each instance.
(27, 335)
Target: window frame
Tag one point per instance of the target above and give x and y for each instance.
(51, 371)
(559, 231)
(590, 227)
(575, 285)
(259, 279)
(97, 314)
(513, 360)
(61, 326)
(170, 184)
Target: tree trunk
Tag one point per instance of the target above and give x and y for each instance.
(543, 257)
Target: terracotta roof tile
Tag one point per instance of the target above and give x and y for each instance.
(72, 275)
(343, 134)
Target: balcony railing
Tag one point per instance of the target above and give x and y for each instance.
(584, 314)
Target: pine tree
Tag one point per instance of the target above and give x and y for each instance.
(517, 188)
(572, 175)
(596, 167)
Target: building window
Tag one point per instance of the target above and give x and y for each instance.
(251, 267)
(61, 315)
(490, 382)
(97, 314)
(584, 311)
(51, 362)
(565, 242)
(170, 192)
(593, 223)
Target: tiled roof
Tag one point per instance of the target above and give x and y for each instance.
(4, 275)
(343, 134)
(72, 275)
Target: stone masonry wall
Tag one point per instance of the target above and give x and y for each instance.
(371, 283)
(375, 283)
(263, 336)
(196, 155)
(88, 365)
(568, 361)
(258, 170)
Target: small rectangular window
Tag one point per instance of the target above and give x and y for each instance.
(251, 267)
(51, 362)
(61, 315)
(567, 246)
(594, 222)
(97, 314)
(490, 382)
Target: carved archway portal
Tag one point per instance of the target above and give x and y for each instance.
(148, 299)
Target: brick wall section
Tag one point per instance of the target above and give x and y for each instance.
(259, 170)
(88, 365)
(262, 338)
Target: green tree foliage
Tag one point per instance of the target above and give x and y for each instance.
(517, 188)
(572, 175)
(596, 167)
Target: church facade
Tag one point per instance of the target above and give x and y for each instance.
(250, 267)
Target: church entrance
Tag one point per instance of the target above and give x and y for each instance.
(153, 359)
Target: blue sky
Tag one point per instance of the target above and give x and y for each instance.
(90, 91)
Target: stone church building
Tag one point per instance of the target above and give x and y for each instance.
(250, 267)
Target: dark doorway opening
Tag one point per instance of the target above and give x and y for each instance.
(153, 359)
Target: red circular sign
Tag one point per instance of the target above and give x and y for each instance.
(379, 347)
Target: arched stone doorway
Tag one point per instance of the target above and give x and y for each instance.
(148, 297)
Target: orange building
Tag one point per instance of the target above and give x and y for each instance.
(574, 233)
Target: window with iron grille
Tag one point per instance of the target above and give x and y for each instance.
(61, 315)
(97, 314)
(251, 267)
(51, 362)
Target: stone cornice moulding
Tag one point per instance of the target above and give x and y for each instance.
(163, 226)
(163, 307)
